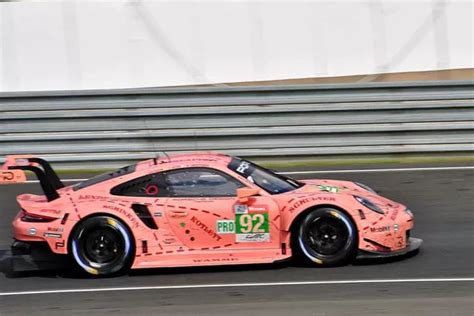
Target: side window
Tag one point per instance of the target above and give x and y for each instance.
(152, 185)
(200, 182)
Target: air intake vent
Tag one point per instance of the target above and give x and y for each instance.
(144, 214)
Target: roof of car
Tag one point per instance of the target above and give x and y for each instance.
(206, 158)
(188, 157)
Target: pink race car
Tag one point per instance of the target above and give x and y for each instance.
(200, 209)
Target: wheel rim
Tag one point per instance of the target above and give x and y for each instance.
(102, 245)
(326, 235)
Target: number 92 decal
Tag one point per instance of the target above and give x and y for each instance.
(252, 227)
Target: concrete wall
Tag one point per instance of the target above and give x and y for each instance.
(116, 44)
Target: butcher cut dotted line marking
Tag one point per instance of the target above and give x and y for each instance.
(74, 205)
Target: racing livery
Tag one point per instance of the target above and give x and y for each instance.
(201, 209)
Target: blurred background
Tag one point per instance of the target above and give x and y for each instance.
(100, 84)
(70, 45)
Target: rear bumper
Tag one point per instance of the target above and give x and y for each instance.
(31, 256)
(412, 245)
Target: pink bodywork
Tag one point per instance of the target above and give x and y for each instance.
(187, 235)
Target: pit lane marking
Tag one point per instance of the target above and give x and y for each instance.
(263, 284)
(334, 171)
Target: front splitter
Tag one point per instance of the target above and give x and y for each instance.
(413, 245)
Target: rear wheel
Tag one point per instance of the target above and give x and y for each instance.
(102, 245)
(326, 237)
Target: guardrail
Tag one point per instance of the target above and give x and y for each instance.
(114, 127)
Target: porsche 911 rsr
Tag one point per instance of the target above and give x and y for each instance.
(201, 209)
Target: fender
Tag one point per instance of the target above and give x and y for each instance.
(118, 209)
(301, 204)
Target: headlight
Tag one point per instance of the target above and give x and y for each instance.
(369, 204)
(363, 186)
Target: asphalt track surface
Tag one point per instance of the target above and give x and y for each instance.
(439, 280)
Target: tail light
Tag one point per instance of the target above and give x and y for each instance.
(34, 218)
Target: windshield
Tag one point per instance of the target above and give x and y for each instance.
(269, 181)
(104, 177)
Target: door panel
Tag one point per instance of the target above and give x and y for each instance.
(221, 223)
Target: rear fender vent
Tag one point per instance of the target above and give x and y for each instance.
(144, 214)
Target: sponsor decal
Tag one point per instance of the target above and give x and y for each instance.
(93, 197)
(205, 228)
(381, 229)
(328, 188)
(215, 260)
(183, 224)
(253, 237)
(52, 235)
(169, 241)
(310, 199)
(6, 176)
(127, 214)
(55, 229)
(258, 208)
(252, 227)
(225, 226)
(241, 209)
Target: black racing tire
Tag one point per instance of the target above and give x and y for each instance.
(102, 246)
(325, 237)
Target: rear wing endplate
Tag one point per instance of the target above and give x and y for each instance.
(13, 171)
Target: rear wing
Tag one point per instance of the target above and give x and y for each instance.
(13, 171)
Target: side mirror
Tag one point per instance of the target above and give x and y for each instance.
(243, 194)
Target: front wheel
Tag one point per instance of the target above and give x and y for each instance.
(102, 245)
(326, 237)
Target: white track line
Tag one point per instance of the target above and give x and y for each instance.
(205, 286)
(335, 171)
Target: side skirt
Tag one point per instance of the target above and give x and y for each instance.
(208, 258)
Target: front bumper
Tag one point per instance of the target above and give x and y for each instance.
(31, 256)
(413, 244)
